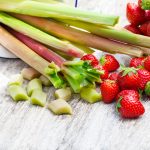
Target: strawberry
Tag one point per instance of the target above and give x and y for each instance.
(145, 28)
(144, 77)
(113, 76)
(128, 78)
(89, 57)
(109, 62)
(101, 68)
(137, 62)
(135, 14)
(129, 105)
(109, 90)
(133, 29)
(147, 63)
(147, 89)
(147, 15)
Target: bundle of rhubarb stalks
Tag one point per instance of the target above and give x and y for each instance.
(49, 35)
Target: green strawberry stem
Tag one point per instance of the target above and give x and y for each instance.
(145, 4)
(118, 104)
(147, 89)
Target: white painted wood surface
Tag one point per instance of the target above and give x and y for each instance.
(92, 127)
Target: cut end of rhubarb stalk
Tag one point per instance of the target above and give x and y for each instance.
(38, 98)
(34, 84)
(17, 93)
(64, 93)
(45, 81)
(16, 80)
(30, 73)
(90, 95)
(60, 107)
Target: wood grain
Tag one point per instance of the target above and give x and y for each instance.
(92, 127)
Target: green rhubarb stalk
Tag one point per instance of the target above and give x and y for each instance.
(90, 95)
(38, 98)
(17, 93)
(75, 72)
(52, 10)
(39, 35)
(28, 56)
(145, 4)
(34, 84)
(16, 80)
(57, 29)
(115, 33)
(85, 74)
(64, 93)
(60, 107)
(81, 37)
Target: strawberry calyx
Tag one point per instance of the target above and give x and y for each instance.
(147, 88)
(119, 103)
(140, 93)
(102, 60)
(128, 70)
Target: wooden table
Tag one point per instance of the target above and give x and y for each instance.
(92, 127)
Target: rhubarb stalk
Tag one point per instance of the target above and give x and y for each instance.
(80, 37)
(28, 56)
(115, 33)
(38, 48)
(39, 35)
(52, 10)
(77, 73)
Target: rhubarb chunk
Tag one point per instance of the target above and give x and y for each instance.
(60, 107)
(17, 93)
(38, 98)
(30, 73)
(90, 95)
(45, 81)
(64, 93)
(16, 80)
(34, 84)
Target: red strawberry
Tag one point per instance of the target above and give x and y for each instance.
(145, 28)
(109, 90)
(129, 105)
(128, 78)
(101, 68)
(137, 62)
(113, 76)
(133, 29)
(147, 63)
(147, 15)
(135, 14)
(109, 62)
(89, 57)
(144, 77)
